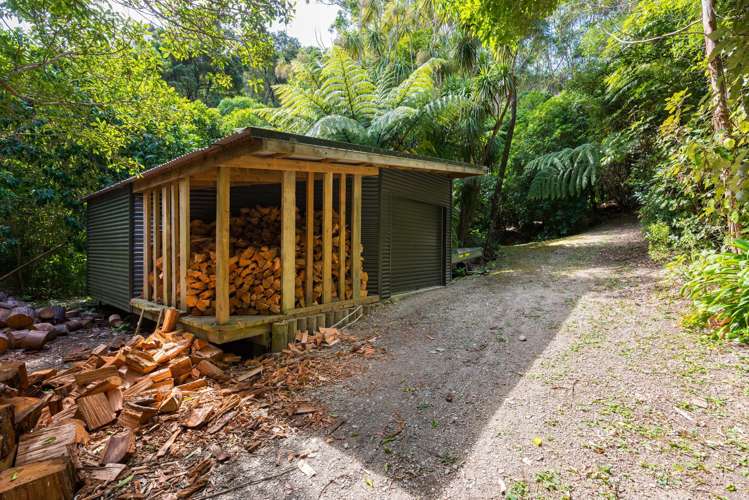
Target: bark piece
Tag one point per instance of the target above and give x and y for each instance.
(8, 441)
(168, 444)
(50, 480)
(198, 417)
(119, 448)
(106, 473)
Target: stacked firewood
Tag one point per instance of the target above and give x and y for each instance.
(255, 263)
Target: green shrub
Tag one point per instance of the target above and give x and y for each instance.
(718, 285)
(659, 246)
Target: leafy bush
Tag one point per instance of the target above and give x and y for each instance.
(718, 285)
(658, 236)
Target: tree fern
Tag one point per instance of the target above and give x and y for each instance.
(346, 87)
(564, 174)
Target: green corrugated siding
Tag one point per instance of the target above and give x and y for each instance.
(109, 247)
(415, 255)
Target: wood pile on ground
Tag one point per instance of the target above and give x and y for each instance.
(24, 327)
(152, 417)
(255, 263)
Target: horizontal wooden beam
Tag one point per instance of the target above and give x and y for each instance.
(259, 162)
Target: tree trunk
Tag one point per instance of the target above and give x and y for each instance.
(470, 194)
(495, 216)
(721, 117)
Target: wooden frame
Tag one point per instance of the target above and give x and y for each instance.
(167, 235)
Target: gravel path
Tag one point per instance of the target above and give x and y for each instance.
(562, 373)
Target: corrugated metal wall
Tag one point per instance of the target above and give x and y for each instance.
(137, 264)
(109, 229)
(370, 233)
(431, 189)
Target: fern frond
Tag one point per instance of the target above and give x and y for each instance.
(346, 87)
(418, 85)
(339, 128)
(564, 174)
(392, 127)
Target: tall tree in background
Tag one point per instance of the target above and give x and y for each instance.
(502, 25)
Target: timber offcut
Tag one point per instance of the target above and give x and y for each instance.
(263, 229)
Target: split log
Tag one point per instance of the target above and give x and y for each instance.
(95, 410)
(41, 375)
(51, 480)
(170, 320)
(210, 370)
(88, 376)
(20, 317)
(14, 374)
(26, 411)
(172, 403)
(57, 441)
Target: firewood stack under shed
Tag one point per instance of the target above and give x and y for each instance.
(255, 263)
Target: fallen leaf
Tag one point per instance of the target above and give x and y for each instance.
(537, 441)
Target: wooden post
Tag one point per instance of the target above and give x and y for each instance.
(342, 237)
(156, 243)
(288, 240)
(327, 237)
(356, 237)
(184, 239)
(166, 244)
(223, 186)
(310, 246)
(146, 244)
(174, 224)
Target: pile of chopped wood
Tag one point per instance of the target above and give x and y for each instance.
(23, 327)
(255, 263)
(82, 424)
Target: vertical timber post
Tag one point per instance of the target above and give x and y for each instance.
(327, 238)
(184, 239)
(310, 238)
(342, 237)
(146, 244)
(156, 243)
(288, 240)
(174, 265)
(166, 244)
(223, 186)
(356, 238)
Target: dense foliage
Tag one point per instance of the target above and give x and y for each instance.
(573, 108)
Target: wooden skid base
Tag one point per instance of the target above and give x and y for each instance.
(257, 329)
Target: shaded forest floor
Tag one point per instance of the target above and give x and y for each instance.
(561, 372)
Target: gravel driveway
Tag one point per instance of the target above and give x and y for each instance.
(561, 373)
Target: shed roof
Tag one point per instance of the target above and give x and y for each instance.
(271, 143)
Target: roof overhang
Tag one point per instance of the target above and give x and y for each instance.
(279, 150)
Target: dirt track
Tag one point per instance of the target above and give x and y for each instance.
(606, 396)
